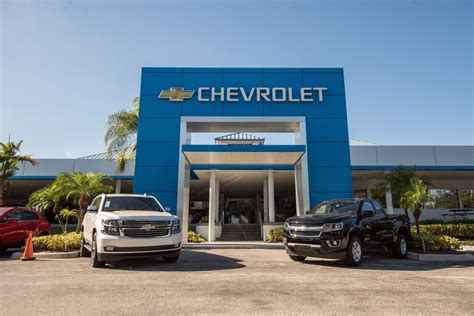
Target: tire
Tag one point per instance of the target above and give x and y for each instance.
(171, 259)
(2, 249)
(94, 256)
(400, 248)
(298, 258)
(83, 252)
(354, 252)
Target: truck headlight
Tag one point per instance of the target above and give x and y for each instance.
(110, 226)
(330, 227)
(176, 227)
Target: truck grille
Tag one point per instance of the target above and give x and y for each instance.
(131, 223)
(144, 229)
(141, 233)
(306, 230)
(306, 233)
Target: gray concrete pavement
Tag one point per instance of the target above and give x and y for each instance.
(235, 281)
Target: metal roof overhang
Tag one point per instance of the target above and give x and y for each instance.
(243, 154)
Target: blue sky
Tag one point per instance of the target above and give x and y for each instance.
(65, 65)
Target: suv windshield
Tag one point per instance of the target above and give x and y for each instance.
(336, 207)
(131, 203)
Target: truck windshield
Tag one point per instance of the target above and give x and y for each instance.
(131, 203)
(337, 207)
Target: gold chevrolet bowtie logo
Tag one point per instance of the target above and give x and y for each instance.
(176, 94)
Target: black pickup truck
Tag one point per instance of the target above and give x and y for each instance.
(341, 229)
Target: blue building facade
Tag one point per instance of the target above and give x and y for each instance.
(159, 146)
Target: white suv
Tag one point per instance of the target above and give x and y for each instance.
(124, 226)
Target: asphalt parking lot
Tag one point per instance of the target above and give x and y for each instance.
(235, 281)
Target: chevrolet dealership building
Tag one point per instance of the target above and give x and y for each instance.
(238, 187)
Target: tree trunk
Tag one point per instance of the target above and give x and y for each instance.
(1, 192)
(416, 215)
(60, 220)
(82, 212)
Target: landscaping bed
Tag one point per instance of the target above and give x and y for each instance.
(57, 243)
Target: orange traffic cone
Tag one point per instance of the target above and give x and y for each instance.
(28, 254)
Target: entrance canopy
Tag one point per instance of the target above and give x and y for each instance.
(243, 154)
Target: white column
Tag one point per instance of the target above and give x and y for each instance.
(388, 200)
(186, 193)
(265, 201)
(461, 204)
(299, 190)
(217, 207)
(184, 138)
(271, 197)
(302, 167)
(118, 186)
(212, 205)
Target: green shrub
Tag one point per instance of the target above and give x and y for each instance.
(204, 219)
(453, 230)
(433, 242)
(60, 242)
(454, 221)
(275, 235)
(195, 237)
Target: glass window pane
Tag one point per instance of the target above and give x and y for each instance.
(442, 198)
(467, 197)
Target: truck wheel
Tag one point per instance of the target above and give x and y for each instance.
(354, 251)
(83, 252)
(171, 259)
(94, 256)
(298, 258)
(399, 248)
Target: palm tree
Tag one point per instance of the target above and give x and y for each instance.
(399, 182)
(67, 214)
(121, 134)
(412, 199)
(10, 159)
(83, 187)
(53, 196)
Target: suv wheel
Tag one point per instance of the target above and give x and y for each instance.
(400, 248)
(83, 252)
(94, 256)
(297, 258)
(354, 251)
(171, 259)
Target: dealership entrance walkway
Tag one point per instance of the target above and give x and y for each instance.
(242, 206)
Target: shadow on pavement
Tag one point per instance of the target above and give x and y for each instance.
(380, 260)
(190, 260)
(7, 254)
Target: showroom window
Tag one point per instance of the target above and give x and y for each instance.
(442, 198)
(467, 197)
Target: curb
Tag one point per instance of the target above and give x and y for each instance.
(233, 245)
(49, 255)
(464, 257)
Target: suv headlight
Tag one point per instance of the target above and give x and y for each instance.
(176, 227)
(330, 227)
(110, 226)
(286, 226)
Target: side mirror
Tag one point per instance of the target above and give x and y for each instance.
(11, 221)
(168, 209)
(92, 208)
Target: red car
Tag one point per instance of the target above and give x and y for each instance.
(16, 223)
